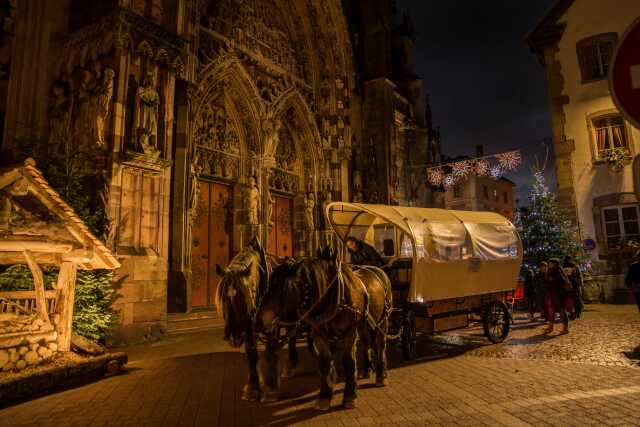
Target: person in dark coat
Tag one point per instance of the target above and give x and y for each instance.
(575, 295)
(540, 288)
(558, 285)
(362, 253)
(530, 292)
(632, 280)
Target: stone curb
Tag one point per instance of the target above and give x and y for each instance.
(58, 378)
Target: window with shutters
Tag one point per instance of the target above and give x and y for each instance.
(621, 226)
(595, 54)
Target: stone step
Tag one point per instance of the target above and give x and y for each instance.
(198, 321)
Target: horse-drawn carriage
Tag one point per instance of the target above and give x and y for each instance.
(446, 267)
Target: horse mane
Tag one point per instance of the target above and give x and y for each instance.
(241, 264)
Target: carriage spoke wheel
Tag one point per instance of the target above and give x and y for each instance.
(496, 322)
(409, 336)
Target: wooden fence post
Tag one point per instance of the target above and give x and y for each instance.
(67, 287)
(38, 281)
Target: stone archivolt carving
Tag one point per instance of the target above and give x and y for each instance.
(256, 26)
(217, 143)
(286, 150)
(284, 181)
(215, 131)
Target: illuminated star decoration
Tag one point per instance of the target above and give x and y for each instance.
(460, 169)
(482, 167)
(509, 160)
(495, 172)
(435, 176)
(449, 180)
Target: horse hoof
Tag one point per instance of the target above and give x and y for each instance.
(288, 373)
(364, 375)
(323, 404)
(349, 404)
(270, 397)
(381, 382)
(250, 394)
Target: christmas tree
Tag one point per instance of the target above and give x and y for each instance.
(546, 233)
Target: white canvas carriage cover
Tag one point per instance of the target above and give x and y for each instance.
(455, 253)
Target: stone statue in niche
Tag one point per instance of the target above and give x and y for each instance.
(309, 208)
(102, 100)
(146, 115)
(271, 204)
(328, 198)
(60, 115)
(194, 191)
(253, 202)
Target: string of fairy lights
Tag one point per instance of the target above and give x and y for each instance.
(493, 166)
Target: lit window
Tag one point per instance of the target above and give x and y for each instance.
(595, 54)
(621, 226)
(609, 133)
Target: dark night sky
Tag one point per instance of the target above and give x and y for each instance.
(486, 87)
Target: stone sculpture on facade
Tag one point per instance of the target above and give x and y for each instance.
(146, 115)
(102, 100)
(253, 202)
(194, 191)
(271, 204)
(309, 207)
(60, 115)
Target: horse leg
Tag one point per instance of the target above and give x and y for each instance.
(327, 372)
(292, 363)
(365, 353)
(349, 365)
(251, 390)
(381, 354)
(271, 378)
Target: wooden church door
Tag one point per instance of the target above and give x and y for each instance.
(212, 241)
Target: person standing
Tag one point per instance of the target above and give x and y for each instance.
(540, 288)
(575, 295)
(529, 292)
(632, 280)
(558, 285)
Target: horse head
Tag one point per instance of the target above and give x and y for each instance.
(237, 291)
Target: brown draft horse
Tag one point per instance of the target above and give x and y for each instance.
(242, 284)
(339, 304)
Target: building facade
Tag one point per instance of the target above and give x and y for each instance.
(195, 125)
(593, 143)
(481, 193)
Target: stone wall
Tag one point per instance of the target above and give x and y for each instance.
(141, 285)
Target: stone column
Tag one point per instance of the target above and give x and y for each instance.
(37, 23)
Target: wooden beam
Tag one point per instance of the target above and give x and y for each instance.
(10, 258)
(38, 281)
(9, 178)
(34, 246)
(64, 306)
(26, 294)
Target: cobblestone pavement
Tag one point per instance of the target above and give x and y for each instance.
(458, 380)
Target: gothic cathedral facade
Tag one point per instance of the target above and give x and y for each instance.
(194, 125)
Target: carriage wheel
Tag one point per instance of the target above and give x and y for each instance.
(409, 336)
(496, 322)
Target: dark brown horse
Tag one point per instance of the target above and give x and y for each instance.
(242, 284)
(338, 304)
